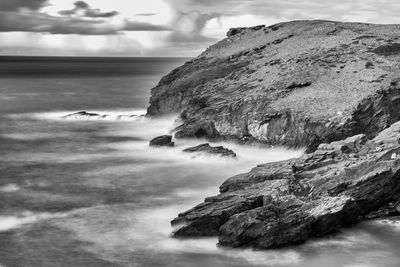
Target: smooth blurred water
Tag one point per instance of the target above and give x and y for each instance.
(93, 193)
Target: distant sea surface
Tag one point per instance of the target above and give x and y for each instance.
(91, 192)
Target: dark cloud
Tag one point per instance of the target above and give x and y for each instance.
(67, 12)
(37, 22)
(14, 5)
(146, 14)
(96, 13)
(82, 19)
(143, 26)
(83, 9)
(81, 4)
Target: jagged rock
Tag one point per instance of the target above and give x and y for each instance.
(163, 140)
(235, 31)
(298, 84)
(349, 145)
(196, 130)
(389, 210)
(206, 148)
(288, 202)
(82, 114)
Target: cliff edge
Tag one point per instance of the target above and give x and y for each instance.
(296, 84)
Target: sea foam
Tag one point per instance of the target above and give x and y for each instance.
(11, 222)
(73, 115)
(9, 188)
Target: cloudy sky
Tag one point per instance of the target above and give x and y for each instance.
(158, 27)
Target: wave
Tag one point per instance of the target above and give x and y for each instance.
(392, 223)
(8, 223)
(33, 136)
(9, 188)
(129, 230)
(160, 229)
(99, 115)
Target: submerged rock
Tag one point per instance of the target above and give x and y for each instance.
(81, 114)
(84, 115)
(288, 202)
(163, 140)
(206, 148)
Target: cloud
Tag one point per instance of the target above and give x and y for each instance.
(188, 28)
(83, 9)
(190, 25)
(81, 4)
(96, 13)
(146, 14)
(38, 22)
(143, 26)
(363, 10)
(14, 5)
(27, 16)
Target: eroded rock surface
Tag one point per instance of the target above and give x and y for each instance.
(296, 84)
(206, 148)
(288, 202)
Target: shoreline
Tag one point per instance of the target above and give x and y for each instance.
(328, 86)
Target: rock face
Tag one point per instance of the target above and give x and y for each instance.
(163, 140)
(328, 86)
(206, 148)
(287, 202)
(296, 84)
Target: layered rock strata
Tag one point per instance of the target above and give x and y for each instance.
(206, 148)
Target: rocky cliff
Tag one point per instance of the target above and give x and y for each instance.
(331, 87)
(297, 84)
(288, 202)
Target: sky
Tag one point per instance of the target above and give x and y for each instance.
(168, 28)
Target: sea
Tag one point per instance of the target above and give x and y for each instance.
(79, 191)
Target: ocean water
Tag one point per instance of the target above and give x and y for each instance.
(83, 192)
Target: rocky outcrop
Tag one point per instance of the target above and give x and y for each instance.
(84, 115)
(297, 84)
(288, 202)
(206, 148)
(330, 87)
(163, 140)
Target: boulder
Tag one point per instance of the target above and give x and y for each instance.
(285, 203)
(206, 148)
(163, 140)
